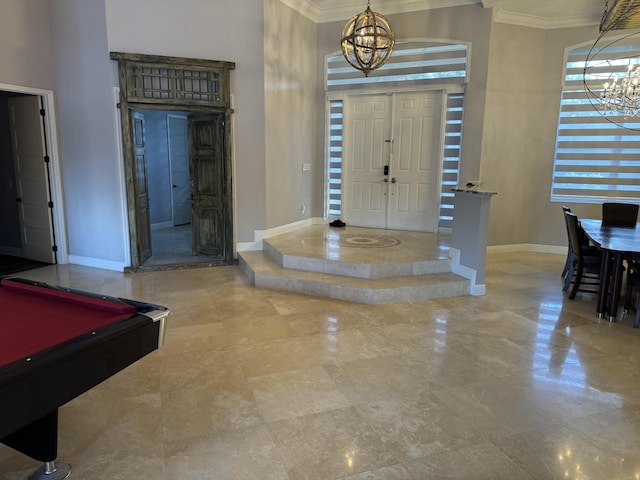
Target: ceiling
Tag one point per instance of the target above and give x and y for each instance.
(533, 13)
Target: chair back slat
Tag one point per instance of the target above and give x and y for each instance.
(573, 230)
(619, 214)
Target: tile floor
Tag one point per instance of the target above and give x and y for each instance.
(172, 245)
(256, 384)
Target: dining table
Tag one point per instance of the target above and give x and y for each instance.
(617, 244)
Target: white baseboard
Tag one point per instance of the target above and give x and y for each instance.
(527, 247)
(97, 263)
(260, 235)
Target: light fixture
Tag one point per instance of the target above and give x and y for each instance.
(623, 14)
(617, 96)
(367, 41)
(621, 95)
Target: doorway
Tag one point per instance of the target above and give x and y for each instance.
(172, 193)
(393, 145)
(197, 90)
(30, 195)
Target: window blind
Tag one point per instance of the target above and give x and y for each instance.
(451, 157)
(414, 63)
(597, 157)
(335, 158)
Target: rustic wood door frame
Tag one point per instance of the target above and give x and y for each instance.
(152, 82)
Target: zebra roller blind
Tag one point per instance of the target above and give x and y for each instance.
(597, 157)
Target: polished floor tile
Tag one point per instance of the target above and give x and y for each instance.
(256, 384)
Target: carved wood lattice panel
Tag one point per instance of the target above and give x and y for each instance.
(164, 83)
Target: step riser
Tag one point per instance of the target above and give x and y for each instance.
(357, 270)
(420, 278)
(361, 295)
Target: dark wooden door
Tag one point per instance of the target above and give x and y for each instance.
(208, 184)
(141, 193)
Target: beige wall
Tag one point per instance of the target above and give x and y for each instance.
(229, 30)
(93, 188)
(511, 151)
(290, 86)
(25, 44)
(523, 95)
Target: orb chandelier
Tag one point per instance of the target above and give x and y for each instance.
(616, 97)
(367, 41)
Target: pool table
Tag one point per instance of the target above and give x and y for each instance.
(55, 344)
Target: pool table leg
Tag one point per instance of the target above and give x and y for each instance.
(52, 471)
(39, 440)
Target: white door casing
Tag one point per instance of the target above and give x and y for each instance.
(32, 179)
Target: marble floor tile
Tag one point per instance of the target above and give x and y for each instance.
(518, 384)
(246, 453)
(329, 445)
(476, 462)
(392, 472)
(296, 393)
(413, 428)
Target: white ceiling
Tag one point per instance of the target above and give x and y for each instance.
(535, 13)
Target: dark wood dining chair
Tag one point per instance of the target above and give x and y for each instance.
(633, 286)
(619, 214)
(569, 261)
(584, 272)
(587, 250)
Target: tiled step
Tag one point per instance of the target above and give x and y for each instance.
(377, 270)
(264, 272)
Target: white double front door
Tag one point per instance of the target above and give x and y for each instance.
(391, 161)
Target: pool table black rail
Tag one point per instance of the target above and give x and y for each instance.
(141, 307)
(32, 389)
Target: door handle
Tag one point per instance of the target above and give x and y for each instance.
(174, 186)
(393, 180)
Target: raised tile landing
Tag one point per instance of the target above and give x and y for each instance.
(363, 265)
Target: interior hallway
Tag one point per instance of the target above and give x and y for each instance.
(173, 246)
(257, 384)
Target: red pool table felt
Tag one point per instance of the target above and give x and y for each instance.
(34, 318)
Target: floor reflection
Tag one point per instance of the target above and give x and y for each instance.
(257, 384)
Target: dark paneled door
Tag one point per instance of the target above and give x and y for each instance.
(208, 184)
(141, 193)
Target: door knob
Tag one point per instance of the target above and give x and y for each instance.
(175, 186)
(393, 180)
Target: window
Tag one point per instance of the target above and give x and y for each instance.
(415, 64)
(596, 159)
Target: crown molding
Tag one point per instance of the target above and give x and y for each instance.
(347, 9)
(304, 7)
(343, 10)
(502, 16)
